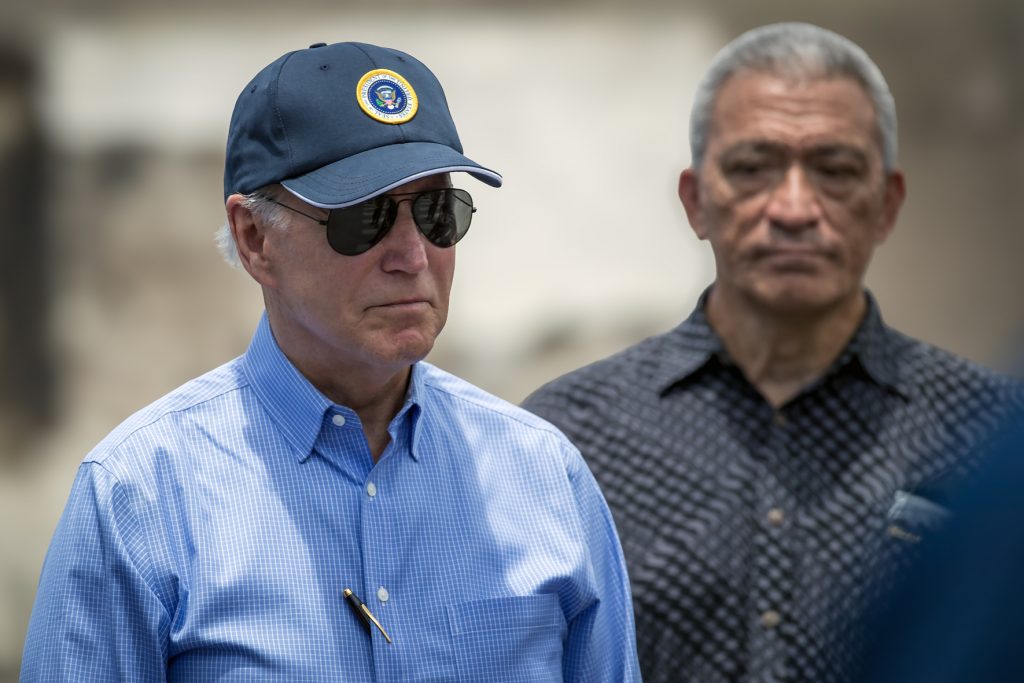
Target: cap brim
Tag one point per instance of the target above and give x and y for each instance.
(375, 171)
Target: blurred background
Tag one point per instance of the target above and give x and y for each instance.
(113, 117)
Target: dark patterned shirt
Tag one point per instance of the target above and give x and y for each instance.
(756, 538)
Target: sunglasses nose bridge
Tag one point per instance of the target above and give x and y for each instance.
(397, 217)
(403, 246)
(397, 214)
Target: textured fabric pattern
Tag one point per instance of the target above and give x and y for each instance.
(211, 536)
(755, 538)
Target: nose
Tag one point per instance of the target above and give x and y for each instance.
(793, 204)
(404, 246)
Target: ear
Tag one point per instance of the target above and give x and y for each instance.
(689, 195)
(895, 194)
(250, 239)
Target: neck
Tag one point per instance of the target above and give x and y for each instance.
(374, 391)
(375, 399)
(781, 354)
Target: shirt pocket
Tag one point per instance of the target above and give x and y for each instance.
(515, 638)
(912, 516)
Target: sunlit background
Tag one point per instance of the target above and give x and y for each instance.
(113, 117)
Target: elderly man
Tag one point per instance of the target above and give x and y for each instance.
(771, 459)
(328, 506)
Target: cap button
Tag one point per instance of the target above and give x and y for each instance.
(318, 45)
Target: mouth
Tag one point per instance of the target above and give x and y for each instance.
(403, 304)
(795, 254)
(795, 260)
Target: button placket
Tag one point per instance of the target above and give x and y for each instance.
(375, 536)
(772, 560)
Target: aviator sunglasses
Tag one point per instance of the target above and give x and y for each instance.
(442, 215)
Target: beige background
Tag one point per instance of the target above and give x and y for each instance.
(583, 108)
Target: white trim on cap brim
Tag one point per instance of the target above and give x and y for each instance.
(475, 170)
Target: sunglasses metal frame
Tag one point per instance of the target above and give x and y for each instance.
(407, 197)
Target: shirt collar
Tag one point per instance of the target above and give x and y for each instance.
(297, 407)
(694, 343)
(690, 346)
(414, 406)
(875, 347)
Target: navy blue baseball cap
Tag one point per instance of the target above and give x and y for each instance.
(338, 124)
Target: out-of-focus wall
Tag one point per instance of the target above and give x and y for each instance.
(583, 108)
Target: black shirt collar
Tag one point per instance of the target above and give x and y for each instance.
(693, 344)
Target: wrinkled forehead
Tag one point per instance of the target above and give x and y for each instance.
(769, 107)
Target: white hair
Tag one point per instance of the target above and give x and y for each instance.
(260, 204)
(797, 51)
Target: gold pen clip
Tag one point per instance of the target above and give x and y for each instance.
(366, 610)
(364, 613)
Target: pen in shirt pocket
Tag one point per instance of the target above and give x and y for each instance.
(364, 613)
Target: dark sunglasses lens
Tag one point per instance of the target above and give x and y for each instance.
(354, 229)
(443, 216)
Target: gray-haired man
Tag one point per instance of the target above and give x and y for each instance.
(773, 458)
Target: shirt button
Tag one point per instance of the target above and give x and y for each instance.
(770, 619)
(338, 420)
(780, 419)
(776, 516)
(382, 594)
(371, 489)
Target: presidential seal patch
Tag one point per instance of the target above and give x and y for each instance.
(386, 96)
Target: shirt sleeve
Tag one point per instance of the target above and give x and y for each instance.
(95, 616)
(601, 643)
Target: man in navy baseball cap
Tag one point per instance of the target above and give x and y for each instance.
(329, 506)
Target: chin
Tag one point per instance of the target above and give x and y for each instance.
(405, 349)
(808, 297)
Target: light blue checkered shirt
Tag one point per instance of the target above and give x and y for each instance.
(210, 537)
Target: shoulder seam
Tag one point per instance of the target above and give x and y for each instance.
(545, 427)
(115, 446)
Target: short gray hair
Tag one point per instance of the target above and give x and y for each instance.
(261, 204)
(798, 51)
